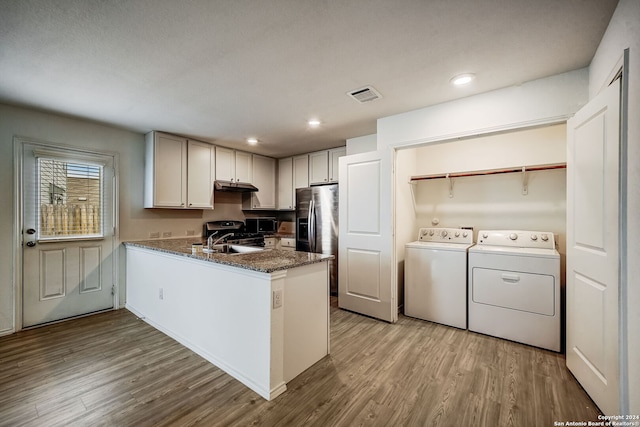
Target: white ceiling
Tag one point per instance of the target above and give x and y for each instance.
(225, 70)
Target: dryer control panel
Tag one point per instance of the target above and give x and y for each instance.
(517, 238)
(445, 235)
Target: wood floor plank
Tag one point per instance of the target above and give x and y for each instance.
(114, 369)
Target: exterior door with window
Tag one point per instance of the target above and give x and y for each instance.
(67, 237)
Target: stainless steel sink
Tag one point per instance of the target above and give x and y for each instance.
(232, 249)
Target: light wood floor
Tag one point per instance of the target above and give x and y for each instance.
(112, 369)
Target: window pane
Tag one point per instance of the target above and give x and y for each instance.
(70, 199)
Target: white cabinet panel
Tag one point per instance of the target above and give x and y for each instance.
(225, 164)
(165, 171)
(200, 162)
(285, 184)
(243, 166)
(300, 173)
(264, 173)
(323, 165)
(178, 172)
(319, 167)
(232, 165)
(334, 169)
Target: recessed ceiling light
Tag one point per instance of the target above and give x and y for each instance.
(252, 141)
(314, 123)
(463, 79)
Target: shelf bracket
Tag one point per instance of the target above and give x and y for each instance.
(525, 181)
(412, 185)
(450, 186)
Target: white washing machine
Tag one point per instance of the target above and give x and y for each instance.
(514, 287)
(435, 276)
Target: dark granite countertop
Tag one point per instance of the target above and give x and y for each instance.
(266, 261)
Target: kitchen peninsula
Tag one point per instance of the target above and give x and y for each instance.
(262, 317)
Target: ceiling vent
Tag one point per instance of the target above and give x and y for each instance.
(365, 94)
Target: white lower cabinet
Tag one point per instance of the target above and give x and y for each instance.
(287, 244)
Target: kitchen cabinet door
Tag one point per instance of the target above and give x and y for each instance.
(300, 173)
(334, 155)
(225, 164)
(243, 167)
(165, 171)
(200, 175)
(319, 167)
(264, 173)
(285, 184)
(232, 165)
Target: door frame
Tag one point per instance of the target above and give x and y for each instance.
(18, 211)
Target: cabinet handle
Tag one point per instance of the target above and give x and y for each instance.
(190, 204)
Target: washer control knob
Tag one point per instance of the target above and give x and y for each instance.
(457, 234)
(534, 237)
(465, 234)
(423, 232)
(544, 237)
(430, 232)
(485, 235)
(513, 236)
(444, 233)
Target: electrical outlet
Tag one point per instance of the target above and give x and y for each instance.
(191, 232)
(277, 298)
(154, 234)
(161, 293)
(166, 234)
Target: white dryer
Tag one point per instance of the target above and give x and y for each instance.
(435, 276)
(514, 287)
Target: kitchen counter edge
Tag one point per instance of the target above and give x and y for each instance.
(266, 261)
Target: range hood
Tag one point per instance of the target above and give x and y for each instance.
(235, 187)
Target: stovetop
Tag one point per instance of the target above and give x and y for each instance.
(239, 237)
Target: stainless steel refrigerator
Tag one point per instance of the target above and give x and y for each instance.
(317, 225)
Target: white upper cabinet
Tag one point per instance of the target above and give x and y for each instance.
(264, 176)
(293, 172)
(319, 167)
(334, 155)
(200, 176)
(285, 184)
(232, 165)
(300, 173)
(244, 167)
(178, 172)
(323, 165)
(165, 171)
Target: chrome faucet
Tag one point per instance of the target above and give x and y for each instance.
(211, 242)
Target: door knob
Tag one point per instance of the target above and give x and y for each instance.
(31, 244)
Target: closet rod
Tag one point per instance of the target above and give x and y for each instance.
(490, 172)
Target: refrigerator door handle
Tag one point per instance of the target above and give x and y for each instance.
(312, 226)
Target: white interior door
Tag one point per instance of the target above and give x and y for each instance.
(365, 243)
(592, 248)
(67, 245)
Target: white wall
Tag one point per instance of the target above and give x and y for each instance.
(135, 221)
(492, 201)
(624, 32)
(406, 166)
(362, 144)
(548, 100)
